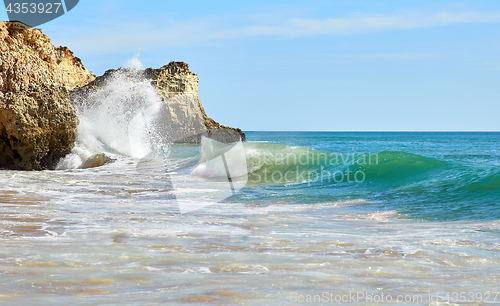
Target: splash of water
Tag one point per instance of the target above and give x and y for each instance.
(134, 62)
(118, 118)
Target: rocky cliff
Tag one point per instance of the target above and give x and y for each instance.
(40, 84)
(177, 86)
(37, 120)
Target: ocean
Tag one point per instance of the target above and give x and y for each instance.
(416, 221)
(286, 218)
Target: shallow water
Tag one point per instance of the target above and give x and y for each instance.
(111, 235)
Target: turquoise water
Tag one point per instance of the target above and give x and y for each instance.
(423, 176)
(323, 216)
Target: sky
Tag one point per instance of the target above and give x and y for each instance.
(353, 65)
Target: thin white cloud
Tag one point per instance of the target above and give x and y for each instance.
(469, 17)
(404, 56)
(367, 24)
(133, 35)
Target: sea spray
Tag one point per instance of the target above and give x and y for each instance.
(121, 117)
(134, 62)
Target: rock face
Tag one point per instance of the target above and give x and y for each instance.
(178, 88)
(175, 79)
(39, 82)
(37, 120)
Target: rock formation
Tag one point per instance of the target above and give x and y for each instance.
(40, 84)
(178, 88)
(37, 120)
(96, 160)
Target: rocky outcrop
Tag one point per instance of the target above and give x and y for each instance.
(177, 86)
(175, 79)
(96, 160)
(37, 120)
(38, 86)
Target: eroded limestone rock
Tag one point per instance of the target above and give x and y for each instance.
(37, 120)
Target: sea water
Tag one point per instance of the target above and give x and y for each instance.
(324, 217)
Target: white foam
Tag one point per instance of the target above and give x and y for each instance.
(117, 118)
(134, 62)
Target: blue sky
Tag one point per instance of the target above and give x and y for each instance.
(310, 65)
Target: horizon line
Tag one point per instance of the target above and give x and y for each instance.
(360, 131)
